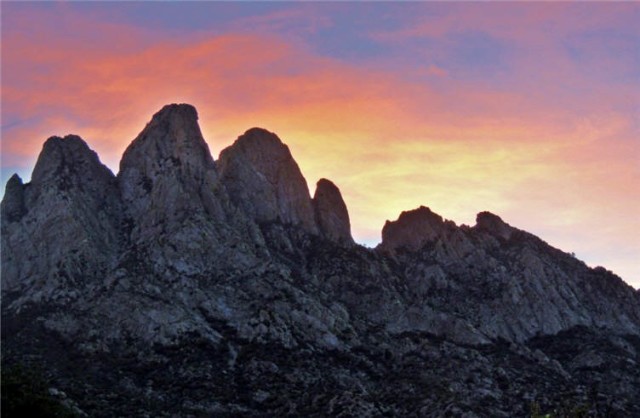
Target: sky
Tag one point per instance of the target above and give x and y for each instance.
(528, 110)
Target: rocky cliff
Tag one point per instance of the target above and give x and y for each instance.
(62, 226)
(176, 208)
(185, 286)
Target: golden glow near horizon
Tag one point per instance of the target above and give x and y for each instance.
(480, 110)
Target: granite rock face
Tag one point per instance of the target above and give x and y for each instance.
(168, 170)
(63, 223)
(331, 212)
(188, 287)
(508, 283)
(177, 210)
(264, 180)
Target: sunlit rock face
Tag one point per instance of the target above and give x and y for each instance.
(188, 287)
(331, 212)
(264, 180)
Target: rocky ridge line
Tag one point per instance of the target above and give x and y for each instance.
(226, 275)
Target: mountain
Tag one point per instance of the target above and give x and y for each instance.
(185, 286)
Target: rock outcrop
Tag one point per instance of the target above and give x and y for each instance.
(63, 225)
(13, 207)
(493, 224)
(168, 173)
(413, 230)
(186, 287)
(177, 209)
(264, 180)
(331, 212)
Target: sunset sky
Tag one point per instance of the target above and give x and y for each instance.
(530, 111)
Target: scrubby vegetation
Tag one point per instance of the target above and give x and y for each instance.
(25, 393)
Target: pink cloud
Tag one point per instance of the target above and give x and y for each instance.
(389, 142)
(514, 22)
(436, 71)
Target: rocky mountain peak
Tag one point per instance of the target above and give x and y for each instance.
(264, 180)
(167, 173)
(412, 230)
(331, 212)
(68, 216)
(171, 138)
(68, 161)
(13, 207)
(493, 224)
(14, 181)
(176, 110)
(260, 138)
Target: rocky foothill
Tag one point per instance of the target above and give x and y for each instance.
(188, 286)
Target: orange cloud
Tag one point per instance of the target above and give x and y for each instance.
(389, 143)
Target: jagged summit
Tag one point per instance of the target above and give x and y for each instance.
(15, 179)
(259, 138)
(331, 212)
(264, 180)
(493, 224)
(172, 136)
(173, 109)
(413, 229)
(170, 152)
(174, 205)
(13, 206)
(68, 165)
(70, 159)
(64, 222)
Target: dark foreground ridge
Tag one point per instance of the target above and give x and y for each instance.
(185, 286)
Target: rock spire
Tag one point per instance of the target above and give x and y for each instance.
(331, 212)
(264, 180)
(412, 230)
